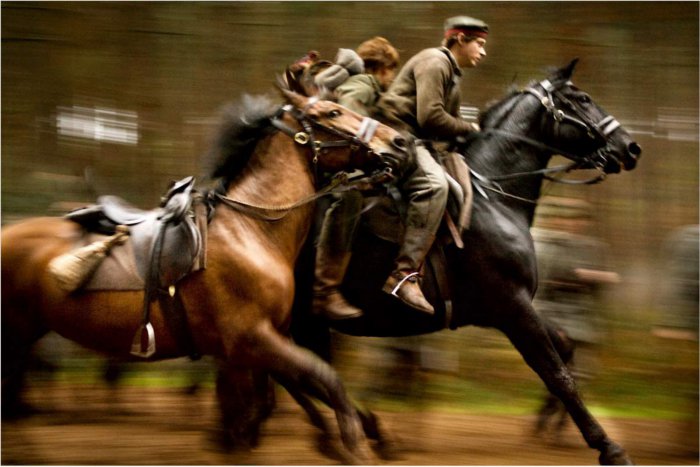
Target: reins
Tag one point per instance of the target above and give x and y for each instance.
(576, 163)
(338, 184)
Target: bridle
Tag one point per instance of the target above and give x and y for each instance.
(544, 92)
(600, 131)
(307, 136)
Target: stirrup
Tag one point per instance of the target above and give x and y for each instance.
(137, 348)
(400, 283)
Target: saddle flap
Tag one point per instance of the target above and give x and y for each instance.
(120, 211)
(456, 167)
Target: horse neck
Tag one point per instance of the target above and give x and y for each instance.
(497, 155)
(277, 175)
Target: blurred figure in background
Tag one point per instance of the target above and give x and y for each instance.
(572, 274)
(678, 319)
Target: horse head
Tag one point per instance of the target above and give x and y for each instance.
(580, 129)
(326, 126)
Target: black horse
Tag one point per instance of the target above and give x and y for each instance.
(492, 280)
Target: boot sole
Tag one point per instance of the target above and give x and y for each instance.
(388, 290)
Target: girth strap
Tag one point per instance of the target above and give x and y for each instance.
(438, 263)
(171, 303)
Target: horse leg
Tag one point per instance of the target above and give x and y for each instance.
(385, 443)
(19, 334)
(245, 399)
(529, 335)
(303, 369)
(325, 440)
(551, 405)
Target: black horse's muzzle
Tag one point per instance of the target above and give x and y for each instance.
(634, 152)
(613, 161)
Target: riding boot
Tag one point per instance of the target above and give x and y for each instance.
(330, 270)
(403, 281)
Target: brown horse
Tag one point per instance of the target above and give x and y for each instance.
(239, 306)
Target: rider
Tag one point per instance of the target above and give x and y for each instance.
(359, 92)
(424, 100)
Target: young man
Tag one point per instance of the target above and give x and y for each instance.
(424, 100)
(360, 93)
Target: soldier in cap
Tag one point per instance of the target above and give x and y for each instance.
(424, 100)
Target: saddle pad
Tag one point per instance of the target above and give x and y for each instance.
(118, 270)
(125, 265)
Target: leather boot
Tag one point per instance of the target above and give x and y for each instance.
(404, 286)
(403, 281)
(328, 301)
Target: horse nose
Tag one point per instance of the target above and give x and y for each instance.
(634, 150)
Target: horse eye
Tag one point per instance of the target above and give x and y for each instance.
(585, 99)
(334, 113)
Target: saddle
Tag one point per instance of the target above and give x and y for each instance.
(167, 241)
(165, 244)
(384, 217)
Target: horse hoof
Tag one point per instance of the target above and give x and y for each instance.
(17, 411)
(327, 446)
(614, 455)
(225, 442)
(388, 450)
(360, 456)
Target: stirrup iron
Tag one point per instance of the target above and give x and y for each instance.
(137, 345)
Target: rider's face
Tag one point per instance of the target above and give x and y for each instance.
(385, 76)
(471, 52)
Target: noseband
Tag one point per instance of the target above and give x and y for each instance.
(307, 137)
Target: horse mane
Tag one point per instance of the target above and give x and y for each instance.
(495, 111)
(242, 124)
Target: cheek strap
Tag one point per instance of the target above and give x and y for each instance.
(367, 129)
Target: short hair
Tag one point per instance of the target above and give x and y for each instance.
(378, 52)
(449, 41)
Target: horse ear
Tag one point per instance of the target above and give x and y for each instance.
(292, 97)
(568, 70)
(563, 74)
(292, 82)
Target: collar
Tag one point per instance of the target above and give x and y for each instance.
(375, 83)
(453, 61)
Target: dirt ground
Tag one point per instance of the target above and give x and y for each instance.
(101, 426)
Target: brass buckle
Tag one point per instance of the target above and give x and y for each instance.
(301, 138)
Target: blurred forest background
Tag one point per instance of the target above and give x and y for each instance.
(120, 98)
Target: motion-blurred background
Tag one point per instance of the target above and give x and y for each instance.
(120, 98)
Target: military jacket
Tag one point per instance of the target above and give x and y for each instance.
(360, 93)
(425, 96)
